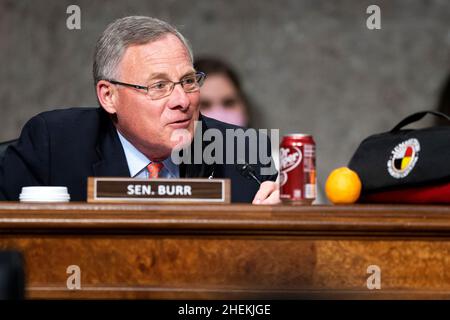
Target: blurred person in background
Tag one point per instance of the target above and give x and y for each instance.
(222, 96)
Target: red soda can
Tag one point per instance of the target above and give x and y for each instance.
(298, 169)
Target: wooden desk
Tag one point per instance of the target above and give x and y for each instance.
(230, 251)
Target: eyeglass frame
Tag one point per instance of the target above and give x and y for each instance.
(146, 88)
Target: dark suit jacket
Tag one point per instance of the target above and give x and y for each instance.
(64, 147)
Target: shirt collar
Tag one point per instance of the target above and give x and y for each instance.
(137, 161)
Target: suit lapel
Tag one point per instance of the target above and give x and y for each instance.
(202, 170)
(112, 161)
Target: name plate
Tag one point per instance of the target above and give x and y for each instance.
(158, 190)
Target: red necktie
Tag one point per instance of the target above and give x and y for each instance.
(154, 169)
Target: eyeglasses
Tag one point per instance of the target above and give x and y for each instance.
(162, 89)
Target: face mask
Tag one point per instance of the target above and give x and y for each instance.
(235, 117)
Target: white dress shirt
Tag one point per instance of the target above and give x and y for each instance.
(138, 162)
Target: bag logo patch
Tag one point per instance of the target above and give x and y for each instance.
(403, 158)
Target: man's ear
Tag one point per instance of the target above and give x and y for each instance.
(107, 96)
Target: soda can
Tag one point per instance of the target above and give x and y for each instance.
(298, 169)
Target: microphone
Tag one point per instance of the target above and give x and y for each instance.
(248, 171)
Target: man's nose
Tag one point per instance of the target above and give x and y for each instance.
(178, 98)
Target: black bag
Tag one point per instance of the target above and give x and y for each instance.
(12, 275)
(403, 158)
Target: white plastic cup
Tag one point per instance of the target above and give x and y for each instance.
(44, 194)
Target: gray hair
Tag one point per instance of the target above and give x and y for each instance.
(121, 34)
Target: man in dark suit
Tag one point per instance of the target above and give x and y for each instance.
(148, 91)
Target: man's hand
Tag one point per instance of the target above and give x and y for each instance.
(268, 193)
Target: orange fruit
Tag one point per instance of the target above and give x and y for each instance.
(343, 186)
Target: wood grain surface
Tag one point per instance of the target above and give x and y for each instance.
(230, 251)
